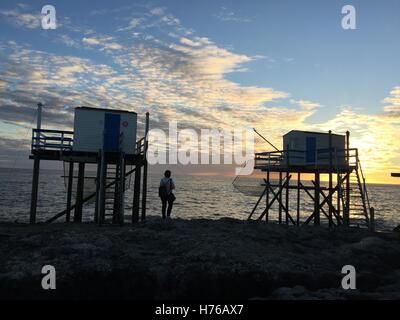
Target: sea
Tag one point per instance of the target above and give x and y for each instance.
(208, 197)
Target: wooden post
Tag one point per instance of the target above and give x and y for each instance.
(69, 191)
(121, 190)
(298, 198)
(330, 214)
(36, 167)
(346, 213)
(79, 193)
(98, 177)
(146, 145)
(287, 198)
(102, 187)
(316, 200)
(280, 199)
(339, 193)
(267, 198)
(136, 194)
(35, 187)
(372, 219)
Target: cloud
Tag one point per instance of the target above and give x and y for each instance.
(134, 23)
(20, 19)
(306, 105)
(11, 149)
(179, 77)
(3, 85)
(91, 41)
(67, 40)
(158, 11)
(105, 43)
(375, 135)
(228, 15)
(174, 74)
(392, 109)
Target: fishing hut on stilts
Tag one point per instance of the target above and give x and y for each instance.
(105, 139)
(340, 199)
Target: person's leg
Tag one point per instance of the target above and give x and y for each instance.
(164, 207)
(170, 203)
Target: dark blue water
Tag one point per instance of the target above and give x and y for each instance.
(197, 197)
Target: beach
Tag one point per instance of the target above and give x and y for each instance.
(196, 259)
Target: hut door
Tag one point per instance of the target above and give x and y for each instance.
(111, 131)
(311, 149)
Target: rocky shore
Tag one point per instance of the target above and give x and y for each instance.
(188, 259)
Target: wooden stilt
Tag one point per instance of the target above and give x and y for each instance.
(69, 191)
(298, 198)
(317, 216)
(267, 198)
(330, 201)
(280, 199)
(146, 144)
(98, 176)
(287, 199)
(325, 200)
(330, 178)
(87, 198)
(35, 187)
(144, 193)
(275, 197)
(136, 194)
(372, 219)
(121, 187)
(339, 194)
(79, 193)
(347, 205)
(259, 200)
(102, 191)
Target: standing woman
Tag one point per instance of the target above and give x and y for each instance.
(166, 194)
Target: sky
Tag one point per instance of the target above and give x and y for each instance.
(272, 65)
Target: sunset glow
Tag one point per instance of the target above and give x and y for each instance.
(274, 66)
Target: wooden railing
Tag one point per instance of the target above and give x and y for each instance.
(43, 139)
(140, 146)
(364, 185)
(323, 157)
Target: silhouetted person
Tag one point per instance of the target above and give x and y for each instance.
(166, 194)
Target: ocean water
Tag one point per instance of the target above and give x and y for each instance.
(210, 197)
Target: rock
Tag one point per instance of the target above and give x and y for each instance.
(397, 229)
(369, 244)
(286, 293)
(197, 259)
(367, 281)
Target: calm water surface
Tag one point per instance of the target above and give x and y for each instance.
(197, 197)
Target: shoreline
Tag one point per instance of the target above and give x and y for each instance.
(196, 259)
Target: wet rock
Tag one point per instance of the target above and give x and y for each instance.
(286, 293)
(204, 259)
(367, 281)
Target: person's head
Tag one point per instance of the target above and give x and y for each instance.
(167, 174)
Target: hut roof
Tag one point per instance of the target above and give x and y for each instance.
(311, 132)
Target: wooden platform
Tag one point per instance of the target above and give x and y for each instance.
(57, 145)
(305, 169)
(344, 201)
(86, 157)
